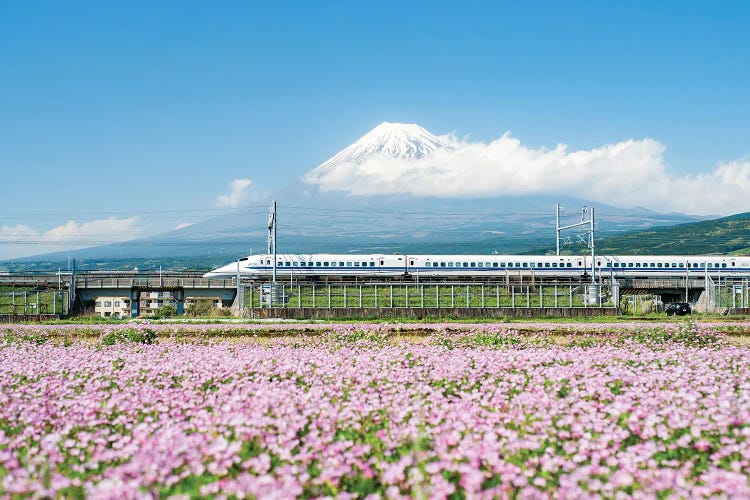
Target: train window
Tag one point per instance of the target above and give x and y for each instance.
(518, 264)
(723, 264)
(540, 265)
(466, 264)
(303, 264)
(435, 264)
(610, 264)
(442, 264)
(480, 264)
(295, 264)
(268, 262)
(279, 264)
(450, 264)
(325, 264)
(356, 264)
(317, 264)
(525, 264)
(674, 264)
(580, 262)
(473, 264)
(382, 262)
(243, 259)
(372, 264)
(653, 265)
(494, 264)
(554, 264)
(570, 264)
(682, 265)
(658, 265)
(488, 264)
(411, 262)
(348, 264)
(287, 264)
(733, 264)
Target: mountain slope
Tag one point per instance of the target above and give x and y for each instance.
(728, 235)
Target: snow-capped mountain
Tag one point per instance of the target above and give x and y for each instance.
(406, 141)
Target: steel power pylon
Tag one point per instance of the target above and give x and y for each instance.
(272, 236)
(584, 222)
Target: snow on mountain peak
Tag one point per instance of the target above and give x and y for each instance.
(406, 141)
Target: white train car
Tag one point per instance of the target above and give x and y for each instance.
(379, 265)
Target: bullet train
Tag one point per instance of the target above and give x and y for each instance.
(378, 265)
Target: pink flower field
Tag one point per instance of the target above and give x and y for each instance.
(356, 412)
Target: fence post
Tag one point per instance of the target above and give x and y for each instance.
(482, 285)
(360, 296)
(329, 295)
(345, 304)
(453, 297)
(497, 295)
(376, 296)
(313, 295)
(437, 295)
(406, 288)
(570, 293)
(541, 296)
(468, 298)
(513, 297)
(391, 296)
(421, 296)
(528, 296)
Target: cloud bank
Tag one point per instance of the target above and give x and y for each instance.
(236, 195)
(17, 240)
(626, 174)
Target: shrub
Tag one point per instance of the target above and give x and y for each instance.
(166, 311)
(135, 335)
(200, 308)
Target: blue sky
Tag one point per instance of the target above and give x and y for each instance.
(103, 104)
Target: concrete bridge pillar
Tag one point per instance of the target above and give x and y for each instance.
(135, 302)
(179, 296)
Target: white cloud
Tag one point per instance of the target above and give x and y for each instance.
(21, 239)
(236, 195)
(183, 225)
(629, 173)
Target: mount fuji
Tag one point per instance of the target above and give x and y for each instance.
(316, 216)
(403, 141)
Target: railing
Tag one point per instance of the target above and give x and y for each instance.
(432, 295)
(664, 283)
(154, 282)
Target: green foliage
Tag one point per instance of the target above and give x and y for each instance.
(132, 335)
(200, 308)
(166, 311)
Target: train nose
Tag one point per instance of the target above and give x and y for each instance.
(222, 272)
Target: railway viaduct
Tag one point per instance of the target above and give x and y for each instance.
(88, 286)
